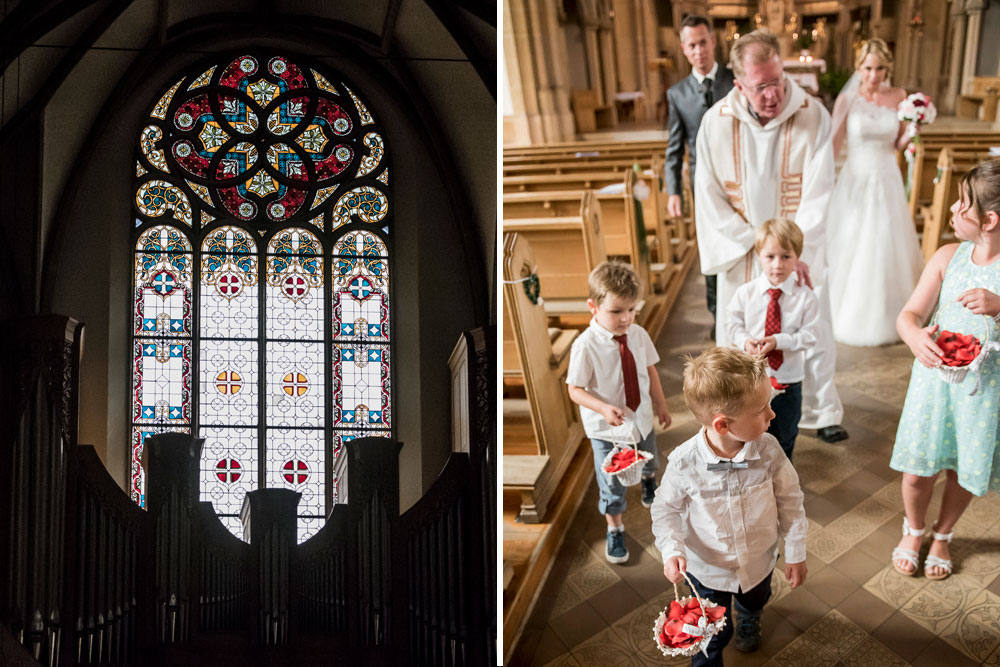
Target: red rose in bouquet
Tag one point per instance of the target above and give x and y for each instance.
(621, 460)
(959, 349)
(689, 613)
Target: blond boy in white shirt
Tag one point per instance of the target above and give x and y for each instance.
(728, 495)
(612, 377)
(776, 317)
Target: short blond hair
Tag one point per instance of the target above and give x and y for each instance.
(721, 380)
(615, 278)
(785, 231)
(766, 45)
(877, 47)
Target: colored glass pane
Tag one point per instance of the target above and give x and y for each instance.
(291, 162)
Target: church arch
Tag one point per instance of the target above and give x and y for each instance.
(437, 247)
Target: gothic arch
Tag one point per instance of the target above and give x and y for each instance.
(438, 248)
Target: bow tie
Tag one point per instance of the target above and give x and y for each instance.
(729, 465)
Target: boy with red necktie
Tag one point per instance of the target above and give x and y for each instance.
(612, 375)
(775, 317)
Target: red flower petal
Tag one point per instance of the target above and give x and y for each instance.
(714, 613)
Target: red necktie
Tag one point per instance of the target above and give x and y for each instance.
(772, 325)
(629, 373)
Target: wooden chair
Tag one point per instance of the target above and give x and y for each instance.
(534, 467)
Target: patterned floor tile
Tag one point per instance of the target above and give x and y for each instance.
(936, 604)
(593, 578)
(605, 648)
(976, 630)
(567, 597)
(893, 587)
(836, 634)
(872, 653)
(804, 651)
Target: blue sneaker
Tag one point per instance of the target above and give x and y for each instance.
(615, 550)
(648, 491)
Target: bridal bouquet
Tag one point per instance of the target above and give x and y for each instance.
(917, 109)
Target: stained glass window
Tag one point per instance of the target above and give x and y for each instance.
(261, 299)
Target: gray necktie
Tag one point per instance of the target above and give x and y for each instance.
(728, 465)
(706, 91)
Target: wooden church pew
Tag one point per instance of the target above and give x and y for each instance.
(657, 232)
(619, 219)
(951, 166)
(566, 250)
(925, 159)
(543, 431)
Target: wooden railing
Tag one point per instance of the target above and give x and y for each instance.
(91, 578)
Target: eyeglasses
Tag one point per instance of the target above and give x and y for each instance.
(762, 88)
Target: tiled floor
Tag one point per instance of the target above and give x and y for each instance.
(854, 609)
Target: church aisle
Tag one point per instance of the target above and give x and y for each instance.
(854, 609)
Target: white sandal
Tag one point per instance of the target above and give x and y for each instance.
(937, 561)
(907, 555)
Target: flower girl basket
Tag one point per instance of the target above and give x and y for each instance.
(957, 374)
(705, 629)
(629, 475)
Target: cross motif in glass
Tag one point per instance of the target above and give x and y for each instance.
(295, 287)
(164, 283)
(228, 470)
(229, 285)
(228, 382)
(290, 474)
(295, 384)
(361, 288)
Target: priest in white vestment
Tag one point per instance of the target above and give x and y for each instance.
(764, 151)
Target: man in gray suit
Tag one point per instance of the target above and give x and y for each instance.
(687, 102)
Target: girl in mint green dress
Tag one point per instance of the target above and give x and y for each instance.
(942, 427)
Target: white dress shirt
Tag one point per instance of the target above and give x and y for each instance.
(800, 319)
(711, 73)
(596, 365)
(726, 523)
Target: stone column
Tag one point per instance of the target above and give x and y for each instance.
(593, 56)
(609, 66)
(554, 58)
(974, 10)
(949, 101)
(520, 71)
(551, 128)
(625, 46)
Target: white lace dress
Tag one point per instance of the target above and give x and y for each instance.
(872, 249)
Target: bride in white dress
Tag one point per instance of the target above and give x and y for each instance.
(874, 255)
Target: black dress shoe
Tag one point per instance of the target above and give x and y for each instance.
(833, 433)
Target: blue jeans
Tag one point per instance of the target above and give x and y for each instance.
(611, 494)
(751, 601)
(787, 412)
